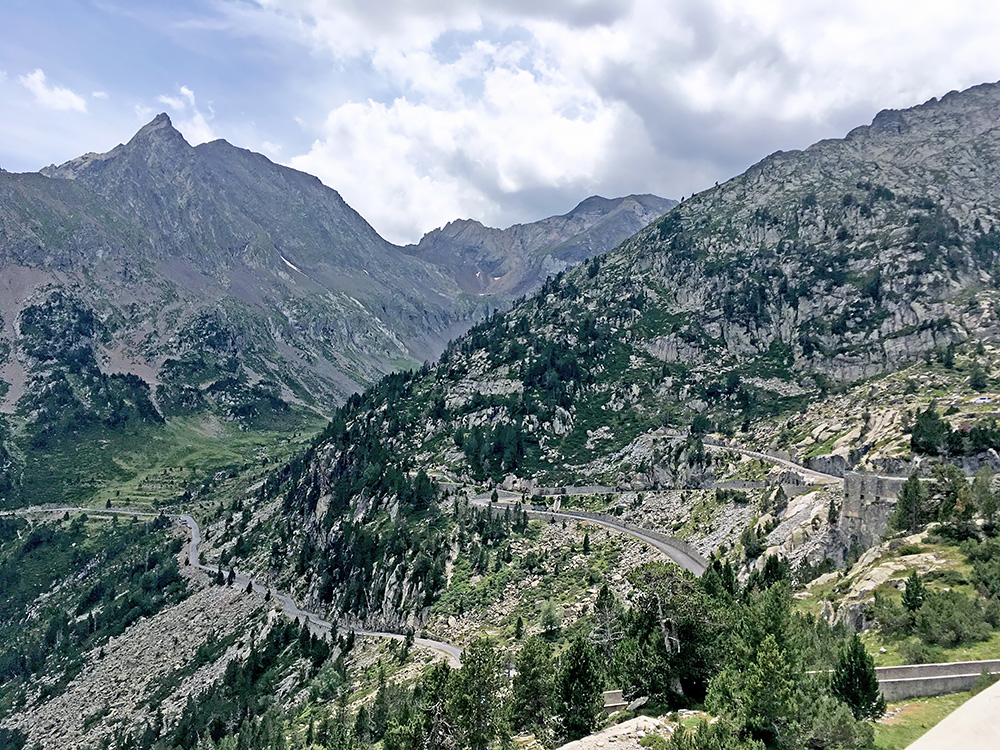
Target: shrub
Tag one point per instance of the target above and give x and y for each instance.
(915, 651)
(949, 619)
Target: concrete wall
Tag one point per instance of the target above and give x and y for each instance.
(938, 670)
(923, 680)
(924, 687)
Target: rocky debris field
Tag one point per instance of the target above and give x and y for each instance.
(111, 691)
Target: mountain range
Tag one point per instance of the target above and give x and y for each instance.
(161, 280)
(836, 306)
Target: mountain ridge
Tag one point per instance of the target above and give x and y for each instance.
(747, 302)
(210, 281)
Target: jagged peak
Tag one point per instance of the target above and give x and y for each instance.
(160, 127)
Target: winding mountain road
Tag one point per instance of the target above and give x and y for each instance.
(817, 477)
(315, 623)
(678, 551)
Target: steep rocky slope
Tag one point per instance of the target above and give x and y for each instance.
(814, 268)
(744, 303)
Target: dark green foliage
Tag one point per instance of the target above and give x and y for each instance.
(532, 696)
(753, 542)
(578, 689)
(672, 633)
(985, 559)
(477, 700)
(914, 593)
(930, 432)
(950, 498)
(12, 739)
(739, 497)
(948, 618)
(246, 690)
(856, 683)
(710, 737)
(775, 569)
(977, 378)
(759, 699)
(911, 511)
(125, 572)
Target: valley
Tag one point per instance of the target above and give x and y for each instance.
(270, 481)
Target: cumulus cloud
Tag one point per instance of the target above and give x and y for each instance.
(99, 94)
(194, 124)
(52, 97)
(508, 111)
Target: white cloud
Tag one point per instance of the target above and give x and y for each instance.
(508, 111)
(174, 102)
(273, 150)
(99, 94)
(194, 124)
(52, 97)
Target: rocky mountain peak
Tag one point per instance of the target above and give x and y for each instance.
(516, 260)
(159, 128)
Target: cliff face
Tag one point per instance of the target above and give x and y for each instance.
(813, 268)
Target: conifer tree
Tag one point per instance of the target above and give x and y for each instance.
(914, 593)
(532, 695)
(578, 689)
(911, 506)
(478, 698)
(855, 682)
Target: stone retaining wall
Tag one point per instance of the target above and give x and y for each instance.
(923, 680)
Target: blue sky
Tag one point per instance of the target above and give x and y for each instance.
(503, 111)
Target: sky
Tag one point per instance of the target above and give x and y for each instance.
(423, 111)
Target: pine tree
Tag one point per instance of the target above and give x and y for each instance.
(984, 497)
(519, 628)
(951, 497)
(914, 593)
(930, 433)
(855, 682)
(586, 543)
(911, 506)
(578, 689)
(551, 617)
(532, 695)
(478, 697)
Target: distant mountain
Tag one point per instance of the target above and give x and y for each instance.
(516, 260)
(161, 280)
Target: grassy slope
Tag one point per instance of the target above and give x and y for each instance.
(156, 465)
(898, 730)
